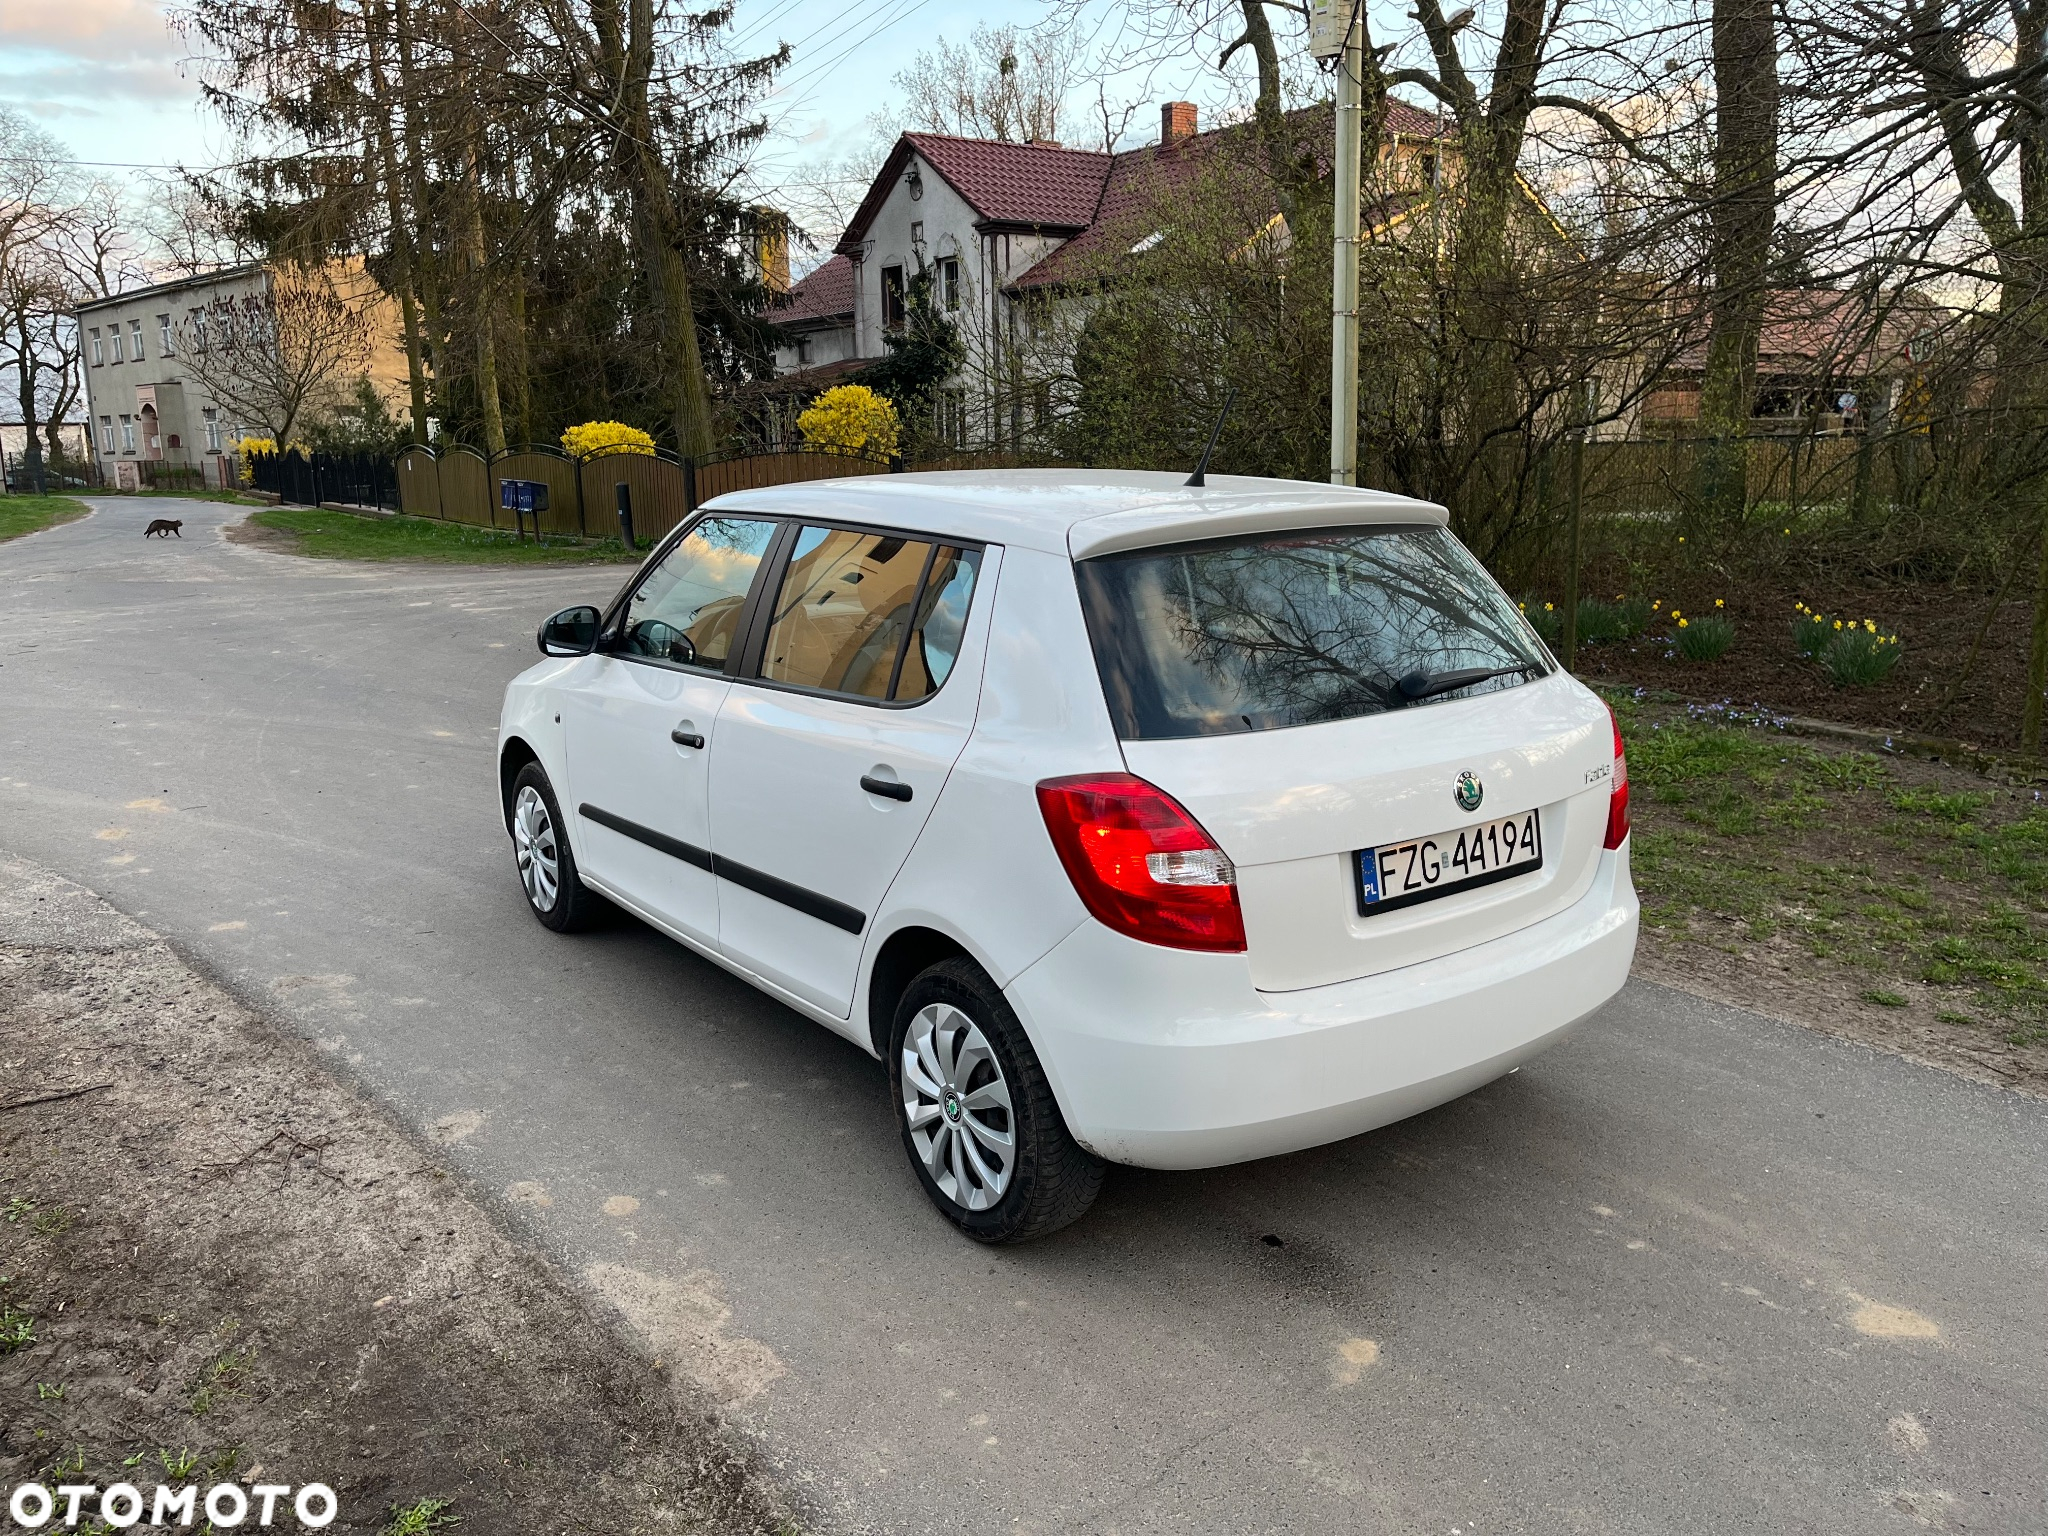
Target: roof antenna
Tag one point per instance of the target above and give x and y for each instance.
(1201, 474)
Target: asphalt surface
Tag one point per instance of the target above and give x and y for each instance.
(1692, 1271)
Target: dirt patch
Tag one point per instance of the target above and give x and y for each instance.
(1936, 627)
(256, 536)
(1781, 980)
(222, 1264)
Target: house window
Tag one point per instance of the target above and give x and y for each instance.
(135, 337)
(212, 418)
(114, 343)
(803, 350)
(163, 337)
(198, 319)
(106, 434)
(892, 298)
(127, 434)
(949, 283)
(99, 348)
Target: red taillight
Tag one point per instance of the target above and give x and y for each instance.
(1617, 802)
(1141, 864)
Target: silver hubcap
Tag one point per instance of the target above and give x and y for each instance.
(533, 835)
(958, 1107)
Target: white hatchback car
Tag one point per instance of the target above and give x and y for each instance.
(1127, 821)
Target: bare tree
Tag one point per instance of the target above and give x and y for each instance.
(283, 353)
(1002, 83)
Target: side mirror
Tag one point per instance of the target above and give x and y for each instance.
(572, 632)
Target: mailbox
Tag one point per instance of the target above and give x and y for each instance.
(523, 495)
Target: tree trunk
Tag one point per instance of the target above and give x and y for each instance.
(1742, 216)
(659, 233)
(482, 321)
(25, 376)
(403, 273)
(2037, 656)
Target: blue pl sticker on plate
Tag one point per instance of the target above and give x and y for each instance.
(1369, 874)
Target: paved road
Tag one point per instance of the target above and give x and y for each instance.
(1693, 1272)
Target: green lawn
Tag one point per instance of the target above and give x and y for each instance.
(31, 514)
(344, 536)
(1912, 875)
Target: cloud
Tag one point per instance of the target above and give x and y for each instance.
(101, 31)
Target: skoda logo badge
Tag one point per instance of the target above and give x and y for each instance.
(952, 1107)
(1469, 791)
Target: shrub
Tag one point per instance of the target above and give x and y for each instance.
(1702, 639)
(1854, 653)
(1545, 620)
(853, 417)
(1857, 656)
(1809, 633)
(594, 437)
(1604, 623)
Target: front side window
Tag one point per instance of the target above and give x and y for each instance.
(871, 615)
(127, 434)
(107, 433)
(163, 336)
(949, 282)
(1260, 633)
(687, 610)
(114, 343)
(135, 338)
(212, 418)
(99, 351)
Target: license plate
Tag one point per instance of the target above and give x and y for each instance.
(1424, 868)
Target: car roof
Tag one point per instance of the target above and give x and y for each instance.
(1081, 512)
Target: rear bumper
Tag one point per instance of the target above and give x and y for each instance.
(1167, 1059)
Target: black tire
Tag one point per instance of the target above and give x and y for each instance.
(572, 904)
(1051, 1180)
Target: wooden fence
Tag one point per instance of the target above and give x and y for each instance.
(584, 495)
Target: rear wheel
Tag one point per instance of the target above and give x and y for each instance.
(978, 1119)
(547, 866)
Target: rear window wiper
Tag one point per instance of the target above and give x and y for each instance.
(1427, 685)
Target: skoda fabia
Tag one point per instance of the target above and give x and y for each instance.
(1126, 820)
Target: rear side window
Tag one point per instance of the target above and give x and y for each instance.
(1260, 633)
(873, 615)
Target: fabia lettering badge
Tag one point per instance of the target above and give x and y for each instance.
(1469, 791)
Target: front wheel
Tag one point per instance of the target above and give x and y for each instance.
(978, 1119)
(547, 866)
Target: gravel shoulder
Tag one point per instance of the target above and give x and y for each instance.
(223, 1263)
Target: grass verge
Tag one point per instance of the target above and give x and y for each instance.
(1899, 901)
(345, 536)
(32, 514)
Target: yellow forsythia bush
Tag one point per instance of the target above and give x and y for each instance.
(605, 437)
(246, 446)
(851, 416)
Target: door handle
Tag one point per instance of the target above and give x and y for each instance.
(686, 738)
(888, 789)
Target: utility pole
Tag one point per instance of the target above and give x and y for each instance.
(1337, 30)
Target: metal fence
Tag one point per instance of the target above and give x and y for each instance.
(353, 479)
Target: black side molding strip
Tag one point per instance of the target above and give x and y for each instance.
(689, 853)
(801, 898)
(805, 900)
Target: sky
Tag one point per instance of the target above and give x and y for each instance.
(110, 78)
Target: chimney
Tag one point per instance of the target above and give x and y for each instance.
(1176, 123)
(771, 249)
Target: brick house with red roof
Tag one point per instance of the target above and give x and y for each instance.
(1007, 226)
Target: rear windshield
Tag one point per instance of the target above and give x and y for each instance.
(1255, 634)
